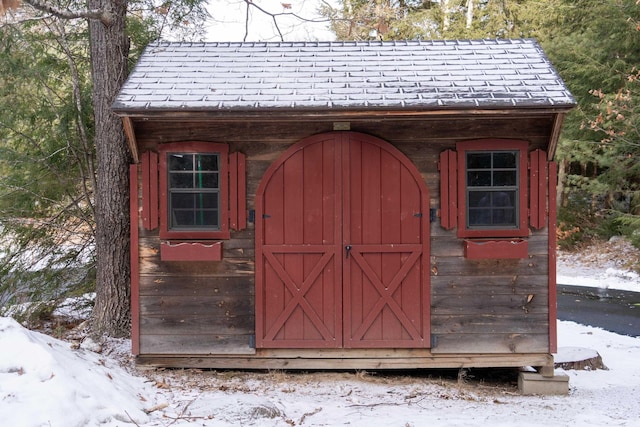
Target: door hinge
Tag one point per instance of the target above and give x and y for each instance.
(433, 214)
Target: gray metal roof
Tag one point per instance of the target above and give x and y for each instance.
(400, 75)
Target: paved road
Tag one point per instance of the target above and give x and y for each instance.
(613, 310)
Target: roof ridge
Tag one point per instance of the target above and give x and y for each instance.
(404, 42)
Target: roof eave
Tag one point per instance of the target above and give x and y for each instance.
(334, 113)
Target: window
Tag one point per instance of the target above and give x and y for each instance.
(195, 193)
(493, 193)
(492, 188)
(193, 190)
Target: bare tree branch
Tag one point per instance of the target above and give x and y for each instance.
(275, 16)
(104, 16)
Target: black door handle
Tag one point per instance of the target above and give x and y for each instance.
(347, 249)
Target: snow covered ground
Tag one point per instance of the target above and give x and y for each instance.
(46, 382)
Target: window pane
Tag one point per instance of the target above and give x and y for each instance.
(479, 217)
(180, 162)
(206, 162)
(207, 180)
(502, 199)
(504, 160)
(503, 217)
(505, 178)
(182, 208)
(180, 180)
(182, 201)
(479, 199)
(479, 204)
(479, 178)
(182, 218)
(478, 160)
(208, 218)
(210, 201)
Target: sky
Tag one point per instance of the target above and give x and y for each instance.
(229, 16)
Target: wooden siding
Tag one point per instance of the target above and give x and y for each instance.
(500, 302)
(197, 307)
(478, 306)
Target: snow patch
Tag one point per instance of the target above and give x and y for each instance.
(43, 382)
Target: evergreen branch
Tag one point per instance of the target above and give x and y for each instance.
(104, 16)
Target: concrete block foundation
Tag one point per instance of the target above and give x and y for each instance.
(530, 383)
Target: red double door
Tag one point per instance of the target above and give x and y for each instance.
(342, 247)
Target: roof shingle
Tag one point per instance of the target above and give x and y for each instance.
(343, 75)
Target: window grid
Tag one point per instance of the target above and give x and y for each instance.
(194, 191)
(492, 196)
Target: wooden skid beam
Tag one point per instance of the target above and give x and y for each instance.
(371, 363)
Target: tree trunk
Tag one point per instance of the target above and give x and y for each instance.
(469, 13)
(561, 200)
(446, 10)
(109, 52)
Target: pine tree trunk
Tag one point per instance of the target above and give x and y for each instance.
(109, 52)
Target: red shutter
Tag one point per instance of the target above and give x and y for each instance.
(237, 192)
(149, 190)
(448, 190)
(538, 173)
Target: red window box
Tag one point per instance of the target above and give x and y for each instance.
(496, 249)
(190, 251)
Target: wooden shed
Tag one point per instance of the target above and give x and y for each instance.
(357, 205)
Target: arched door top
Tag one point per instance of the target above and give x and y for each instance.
(342, 247)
